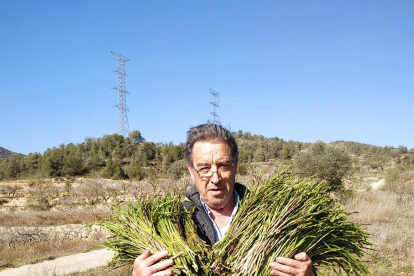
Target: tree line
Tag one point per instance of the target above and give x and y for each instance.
(114, 156)
(111, 156)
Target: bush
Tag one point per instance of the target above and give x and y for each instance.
(243, 168)
(328, 162)
(42, 194)
(400, 180)
(177, 169)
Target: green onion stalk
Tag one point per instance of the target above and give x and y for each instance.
(157, 224)
(284, 216)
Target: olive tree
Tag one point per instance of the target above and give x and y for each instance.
(330, 162)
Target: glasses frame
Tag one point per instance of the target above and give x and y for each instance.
(205, 177)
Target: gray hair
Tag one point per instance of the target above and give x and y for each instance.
(209, 133)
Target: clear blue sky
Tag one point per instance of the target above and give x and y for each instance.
(298, 70)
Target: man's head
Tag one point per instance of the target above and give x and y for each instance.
(211, 153)
(209, 133)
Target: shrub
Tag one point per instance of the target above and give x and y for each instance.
(400, 180)
(177, 169)
(328, 162)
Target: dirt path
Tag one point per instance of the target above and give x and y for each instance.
(64, 265)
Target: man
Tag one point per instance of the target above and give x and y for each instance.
(212, 154)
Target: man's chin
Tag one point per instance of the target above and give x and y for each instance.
(216, 202)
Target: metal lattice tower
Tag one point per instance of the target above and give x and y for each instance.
(214, 105)
(123, 125)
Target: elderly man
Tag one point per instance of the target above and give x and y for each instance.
(211, 154)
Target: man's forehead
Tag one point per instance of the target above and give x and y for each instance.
(207, 150)
(209, 145)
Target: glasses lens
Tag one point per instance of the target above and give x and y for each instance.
(221, 170)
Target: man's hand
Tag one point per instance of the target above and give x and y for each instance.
(300, 266)
(147, 264)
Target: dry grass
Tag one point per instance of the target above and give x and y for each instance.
(103, 272)
(48, 218)
(400, 180)
(390, 220)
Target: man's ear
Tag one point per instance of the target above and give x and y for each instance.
(236, 161)
(190, 169)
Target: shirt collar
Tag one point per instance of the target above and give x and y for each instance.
(236, 206)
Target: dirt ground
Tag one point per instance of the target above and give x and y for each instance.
(64, 265)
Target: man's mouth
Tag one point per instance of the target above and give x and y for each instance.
(216, 190)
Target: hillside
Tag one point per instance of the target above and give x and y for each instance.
(114, 156)
(4, 153)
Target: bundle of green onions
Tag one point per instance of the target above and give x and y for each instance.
(157, 224)
(281, 216)
(284, 216)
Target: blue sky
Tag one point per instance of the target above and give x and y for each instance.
(297, 70)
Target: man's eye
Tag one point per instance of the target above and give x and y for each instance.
(224, 167)
(204, 170)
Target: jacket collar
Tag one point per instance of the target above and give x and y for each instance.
(193, 194)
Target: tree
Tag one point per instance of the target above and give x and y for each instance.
(113, 169)
(259, 155)
(12, 168)
(136, 137)
(135, 170)
(91, 190)
(42, 194)
(119, 172)
(73, 164)
(52, 162)
(328, 162)
(32, 163)
(109, 168)
(94, 161)
(177, 169)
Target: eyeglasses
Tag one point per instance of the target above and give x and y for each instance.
(205, 173)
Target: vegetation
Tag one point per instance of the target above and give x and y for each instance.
(157, 224)
(388, 218)
(116, 157)
(327, 162)
(400, 180)
(4, 153)
(299, 216)
(66, 185)
(111, 156)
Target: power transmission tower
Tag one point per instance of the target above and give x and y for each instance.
(214, 105)
(123, 125)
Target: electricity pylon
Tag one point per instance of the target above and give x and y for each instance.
(123, 125)
(214, 105)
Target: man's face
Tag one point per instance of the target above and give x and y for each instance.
(216, 189)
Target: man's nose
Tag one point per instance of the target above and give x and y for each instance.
(215, 178)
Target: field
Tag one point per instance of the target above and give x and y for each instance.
(44, 219)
